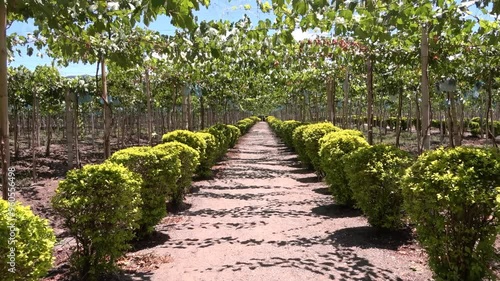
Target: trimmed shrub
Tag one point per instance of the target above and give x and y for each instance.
(211, 153)
(275, 124)
(32, 248)
(189, 158)
(235, 134)
(475, 129)
(286, 131)
(226, 136)
(375, 175)
(159, 171)
(333, 146)
(100, 205)
(299, 145)
(193, 140)
(255, 119)
(245, 124)
(312, 134)
(222, 136)
(453, 197)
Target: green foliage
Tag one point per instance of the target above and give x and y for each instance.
(245, 124)
(159, 171)
(333, 146)
(496, 125)
(211, 153)
(31, 250)
(299, 145)
(190, 160)
(475, 128)
(226, 136)
(453, 197)
(100, 205)
(234, 134)
(312, 134)
(193, 140)
(374, 175)
(286, 131)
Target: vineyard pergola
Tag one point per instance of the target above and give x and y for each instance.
(380, 61)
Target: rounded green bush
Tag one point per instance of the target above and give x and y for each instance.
(333, 146)
(189, 158)
(159, 171)
(375, 174)
(275, 124)
(100, 205)
(222, 136)
(286, 131)
(27, 255)
(475, 129)
(299, 145)
(245, 124)
(211, 153)
(235, 134)
(226, 137)
(195, 141)
(312, 134)
(453, 197)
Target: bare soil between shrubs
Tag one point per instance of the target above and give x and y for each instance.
(263, 217)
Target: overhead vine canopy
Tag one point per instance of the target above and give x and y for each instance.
(372, 51)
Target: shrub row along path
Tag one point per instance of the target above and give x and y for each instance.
(263, 217)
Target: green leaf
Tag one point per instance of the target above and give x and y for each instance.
(346, 14)
(300, 6)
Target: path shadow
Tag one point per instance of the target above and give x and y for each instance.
(130, 275)
(336, 211)
(366, 237)
(246, 196)
(340, 264)
(312, 179)
(323, 191)
(175, 209)
(155, 239)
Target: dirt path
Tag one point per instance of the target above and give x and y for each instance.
(265, 218)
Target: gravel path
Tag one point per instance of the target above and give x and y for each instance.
(263, 217)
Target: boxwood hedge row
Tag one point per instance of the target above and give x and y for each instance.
(106, 206)
(451, 196)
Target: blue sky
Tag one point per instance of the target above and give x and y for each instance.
(218, 9)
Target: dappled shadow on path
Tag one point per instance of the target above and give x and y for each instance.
(369, 237)
(338, 264)
(362, 237)
(244, 196)
(323, 191)
(154, 239)
(130, 275)
(336, 211)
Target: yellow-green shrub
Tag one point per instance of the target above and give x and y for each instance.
(375, 175)
(235, 134)
(286, 131)
(311, 135)
(453, 198)
(100, 205)
(31, 246)
(245, 124)
(189, 158)
(193, 140)
(299, 145)
(211, 153)
(159, 171)
(333, 146)
(226, 136)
